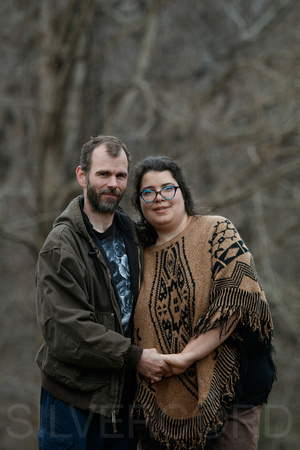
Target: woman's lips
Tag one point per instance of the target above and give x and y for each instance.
(161, 209)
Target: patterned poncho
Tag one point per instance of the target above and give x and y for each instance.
(192, 283)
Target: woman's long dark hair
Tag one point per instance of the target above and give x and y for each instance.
(146, 231)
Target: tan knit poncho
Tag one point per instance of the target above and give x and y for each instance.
(191, 283)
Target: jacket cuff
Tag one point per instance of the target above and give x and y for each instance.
(133, 356)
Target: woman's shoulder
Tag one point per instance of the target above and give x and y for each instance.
(214, 225)
(212, 220)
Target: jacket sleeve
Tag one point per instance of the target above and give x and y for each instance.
(74, 332)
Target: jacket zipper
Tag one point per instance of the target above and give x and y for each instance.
(114, 421)
(113, 411)
(116, 308)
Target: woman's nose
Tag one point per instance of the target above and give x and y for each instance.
(159, 197)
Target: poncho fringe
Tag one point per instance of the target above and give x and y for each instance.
(254, 312)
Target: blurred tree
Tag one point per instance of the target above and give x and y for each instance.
(212, 84)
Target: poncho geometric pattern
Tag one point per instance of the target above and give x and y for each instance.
(191, 284)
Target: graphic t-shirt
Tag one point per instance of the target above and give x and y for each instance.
(114, 247)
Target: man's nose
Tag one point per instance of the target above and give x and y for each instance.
(112, 181)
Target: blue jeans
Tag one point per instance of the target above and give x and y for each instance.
(65, 427)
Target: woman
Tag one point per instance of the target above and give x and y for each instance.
(201, 305)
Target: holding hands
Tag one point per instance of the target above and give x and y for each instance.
(154, 365)
(178, 363)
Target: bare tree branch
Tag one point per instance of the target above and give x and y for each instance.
(265, 21)
(243, 185)
(21, 238)
(136, 81)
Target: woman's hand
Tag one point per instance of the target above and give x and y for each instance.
(178, 363)
(199, 348)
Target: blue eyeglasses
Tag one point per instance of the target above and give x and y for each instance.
(149, 196)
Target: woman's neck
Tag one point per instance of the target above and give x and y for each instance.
(166, 235)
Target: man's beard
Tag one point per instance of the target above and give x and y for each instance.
(107, 206)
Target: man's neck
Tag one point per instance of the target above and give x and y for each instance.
(100, 221)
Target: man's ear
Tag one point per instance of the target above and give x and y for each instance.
(81, 176)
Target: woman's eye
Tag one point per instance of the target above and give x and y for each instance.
(147, 193)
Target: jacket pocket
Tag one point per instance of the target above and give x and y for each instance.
(49, 442)
(107, 319)
(80, 378)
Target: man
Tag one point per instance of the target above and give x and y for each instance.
(88, 276)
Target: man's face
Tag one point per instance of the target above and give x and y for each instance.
(107, 180)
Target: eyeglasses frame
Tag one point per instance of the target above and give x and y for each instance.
(159, 192)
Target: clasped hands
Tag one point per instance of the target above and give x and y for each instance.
(155, 366)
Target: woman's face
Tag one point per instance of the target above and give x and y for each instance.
(163, 215)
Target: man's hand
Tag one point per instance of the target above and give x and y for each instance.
(152, 365)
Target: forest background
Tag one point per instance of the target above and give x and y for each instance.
(215, 85)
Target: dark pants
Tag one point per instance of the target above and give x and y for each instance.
(66, 427)
(240, 431)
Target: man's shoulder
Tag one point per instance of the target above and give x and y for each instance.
(67, 227)
(62, 235)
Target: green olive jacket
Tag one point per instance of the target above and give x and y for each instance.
(84, 349)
